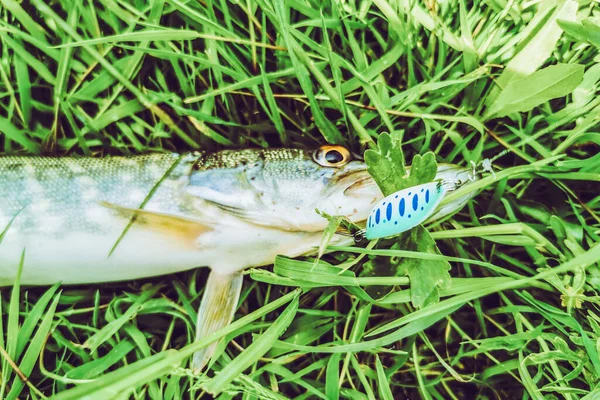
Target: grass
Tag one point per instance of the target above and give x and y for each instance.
(466, 80)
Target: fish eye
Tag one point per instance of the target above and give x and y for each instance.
(331, 156)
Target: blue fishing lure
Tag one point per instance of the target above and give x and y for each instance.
(404, 209)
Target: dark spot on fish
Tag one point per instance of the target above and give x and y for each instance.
(422, 208)
(11, 167)
(377, 216)
(402, 207)
(427, 196)
(395, 222)
(409, 215)
(415, 202)
(388, 211)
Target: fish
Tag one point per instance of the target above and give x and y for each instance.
(85, 220)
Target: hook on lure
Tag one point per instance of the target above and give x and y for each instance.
(482, 167)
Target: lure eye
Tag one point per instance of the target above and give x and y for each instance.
(331, 156)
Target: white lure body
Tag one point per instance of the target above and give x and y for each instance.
(404, 210)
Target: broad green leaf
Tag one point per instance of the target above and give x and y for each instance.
(386, 164)
(536, 43)
(427, 277)
(327, 275)
(586, 30)
(541, 86)
(422, 170)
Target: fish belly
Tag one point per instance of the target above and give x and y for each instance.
(50, 210)
(92, 256)
(84, 257)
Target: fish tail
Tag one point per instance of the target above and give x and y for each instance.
(217, 309)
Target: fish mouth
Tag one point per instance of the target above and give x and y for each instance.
(362, 183)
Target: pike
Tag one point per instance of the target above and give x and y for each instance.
(90, 220)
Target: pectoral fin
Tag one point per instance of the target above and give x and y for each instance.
(173, 226)
(217, 309)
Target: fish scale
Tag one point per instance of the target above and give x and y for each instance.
(64, 190)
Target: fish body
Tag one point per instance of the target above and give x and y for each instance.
(57, 211)
(86, 220)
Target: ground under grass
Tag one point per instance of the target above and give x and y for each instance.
(466, 80)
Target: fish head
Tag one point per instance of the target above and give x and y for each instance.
(284, 188)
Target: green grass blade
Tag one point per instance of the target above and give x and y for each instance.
(332, 377)
(385, 392)
(33, 349)
(255, 351)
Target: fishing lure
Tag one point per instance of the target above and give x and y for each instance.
(405, 209)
